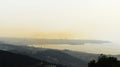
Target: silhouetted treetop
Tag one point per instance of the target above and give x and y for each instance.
(104, 61)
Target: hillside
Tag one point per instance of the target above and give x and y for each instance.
(49, 55)
(63, 57)
(8, 59)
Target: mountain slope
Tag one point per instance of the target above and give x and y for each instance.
(64, 57)
(8, 59)
(57, 56)
(49, 55)
(82, 55)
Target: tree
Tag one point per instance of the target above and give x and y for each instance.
(104, 61)
(92, 63)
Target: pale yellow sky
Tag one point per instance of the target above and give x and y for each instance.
(77, 19)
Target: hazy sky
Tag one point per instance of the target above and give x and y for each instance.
(68, 19)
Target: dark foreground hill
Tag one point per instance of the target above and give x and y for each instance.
(8, 59)
(64, 57)
(48, 55)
